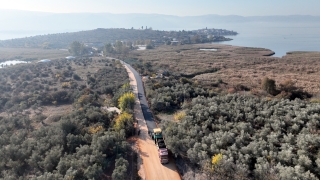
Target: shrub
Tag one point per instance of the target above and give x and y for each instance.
(120, 172)
(84, 99)
(288, 86)
(149, 46)
(65, 85)
(124, 121)
(126, 101)
(216, 159)
(269, 85)
(54, 118)
(93, 130)
(179, 116)
(76, 77)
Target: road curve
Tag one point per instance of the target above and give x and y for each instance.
(153, 169)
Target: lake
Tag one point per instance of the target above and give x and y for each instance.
(278, 37)
(5, 35)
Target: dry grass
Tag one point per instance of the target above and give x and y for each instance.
(237, 65)
(167, 117)
(31, 53)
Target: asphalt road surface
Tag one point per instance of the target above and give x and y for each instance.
(152, 169)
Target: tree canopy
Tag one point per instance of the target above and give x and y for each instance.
(77, 49)
(259, 138)
(79, 144)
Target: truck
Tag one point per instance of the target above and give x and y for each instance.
(160, 143)
(163, 155)
(156, 134)
(162, 149)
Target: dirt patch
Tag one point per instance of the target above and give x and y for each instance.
(44, 115)
(110, 109)
(166, 117)
(57, 110)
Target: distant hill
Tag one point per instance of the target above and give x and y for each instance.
(13, 20)
(100, 36)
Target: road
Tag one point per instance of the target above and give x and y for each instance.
(152, 168)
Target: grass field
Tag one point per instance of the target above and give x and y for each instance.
(31, 54)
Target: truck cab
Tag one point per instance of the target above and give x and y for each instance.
(157, 134)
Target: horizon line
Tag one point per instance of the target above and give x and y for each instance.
(34, 11)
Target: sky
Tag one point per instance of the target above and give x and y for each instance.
(171, 7)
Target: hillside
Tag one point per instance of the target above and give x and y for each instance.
(101, 36)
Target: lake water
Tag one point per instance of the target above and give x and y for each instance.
(208, 49)
(5, 35)
(278, 37)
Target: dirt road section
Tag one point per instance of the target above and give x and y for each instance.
(151, 168)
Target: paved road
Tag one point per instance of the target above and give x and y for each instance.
(151, 166)
(142, 98)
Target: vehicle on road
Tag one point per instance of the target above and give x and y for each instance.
(160, 143)
(162, 148)
(163, 155)
(156, 134)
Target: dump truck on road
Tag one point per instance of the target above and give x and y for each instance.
(160, 143)
(156, 134)
(162, 149)
(163, 155)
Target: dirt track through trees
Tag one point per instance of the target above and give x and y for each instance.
(150, 168)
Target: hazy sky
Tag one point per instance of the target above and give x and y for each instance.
(171, 7)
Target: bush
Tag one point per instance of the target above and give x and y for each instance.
(120, 172)
(269, 85)
(76, 77)
(287, 85)
(124, 121)
(126, 101)
(179, 116)
(149, 46)
(54, 118)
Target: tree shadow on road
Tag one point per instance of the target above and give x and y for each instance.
(171, 165)
(143, 135)
(144, 154)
